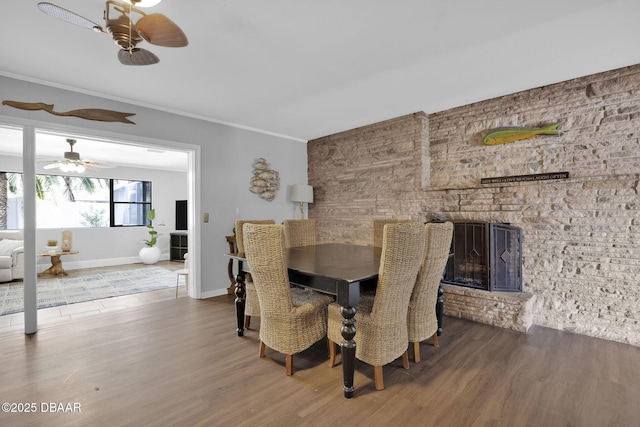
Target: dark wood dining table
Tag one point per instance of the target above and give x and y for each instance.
(342, 270)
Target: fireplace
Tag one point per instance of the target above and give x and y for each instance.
(485, 256)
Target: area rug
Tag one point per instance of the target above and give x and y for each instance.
(62, 291)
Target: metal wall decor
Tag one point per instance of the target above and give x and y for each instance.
(265, 182)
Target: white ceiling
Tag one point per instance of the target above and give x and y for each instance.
(306, 69)
(50, 147)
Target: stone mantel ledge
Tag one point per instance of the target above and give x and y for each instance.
(573, 179)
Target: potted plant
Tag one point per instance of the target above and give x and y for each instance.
(52, 246)
(150, 253)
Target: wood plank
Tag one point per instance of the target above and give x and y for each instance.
(180, 362)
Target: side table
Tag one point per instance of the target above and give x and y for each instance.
(56, 263)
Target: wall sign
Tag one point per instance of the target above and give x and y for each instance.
(522, 178)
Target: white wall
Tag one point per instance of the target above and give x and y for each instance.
(226, 156)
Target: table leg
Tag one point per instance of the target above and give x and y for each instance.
(348, 348)
(56, 267)
(440, 308)
(240, 298)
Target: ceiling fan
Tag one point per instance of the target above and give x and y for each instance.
(155, 28)
(72, 163)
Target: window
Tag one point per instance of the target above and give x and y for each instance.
(131, 202)
(69, 202)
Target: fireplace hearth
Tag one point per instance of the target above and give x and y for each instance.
(485, 255)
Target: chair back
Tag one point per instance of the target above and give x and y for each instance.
(299, 232)
(239, 235)
(378, 227)
(265, 254)
(402, 253)
(422, 309)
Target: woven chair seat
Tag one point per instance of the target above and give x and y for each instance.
(422, 320)
(381, 321)
(292, 319)
(251, 303)
(302, 296)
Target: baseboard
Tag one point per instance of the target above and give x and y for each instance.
(214, 293)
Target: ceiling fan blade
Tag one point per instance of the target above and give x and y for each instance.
(137, 57)
(91, 164)
(52, 165)
(159, 30)
(66, 15)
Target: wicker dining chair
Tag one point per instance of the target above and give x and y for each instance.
(292, 319)
(381, 322)
(299, 232)
(378, 227)
(421, 318)
(251, 303)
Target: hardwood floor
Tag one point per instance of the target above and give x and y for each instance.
(180, 362)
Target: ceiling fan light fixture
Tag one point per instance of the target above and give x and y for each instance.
(72, 167)
(72, 163)
(143, 3)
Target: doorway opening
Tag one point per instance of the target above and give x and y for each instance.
(96, 252)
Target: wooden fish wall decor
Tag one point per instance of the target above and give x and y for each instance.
(264, 182)
(509, 134)
(87, 113)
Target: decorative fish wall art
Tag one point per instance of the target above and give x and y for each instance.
(86, 113)
(264, 182)
(509, 134)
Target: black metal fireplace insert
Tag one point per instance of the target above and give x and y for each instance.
(485, 255)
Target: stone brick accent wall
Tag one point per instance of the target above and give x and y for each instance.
(581, 235)
(504, 309)
(369, 172)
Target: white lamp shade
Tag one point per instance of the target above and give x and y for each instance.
(302, 193)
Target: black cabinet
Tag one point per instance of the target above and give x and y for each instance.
(179, 243)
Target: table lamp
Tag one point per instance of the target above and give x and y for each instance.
(302, 193)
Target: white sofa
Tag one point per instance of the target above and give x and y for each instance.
(11, 255)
